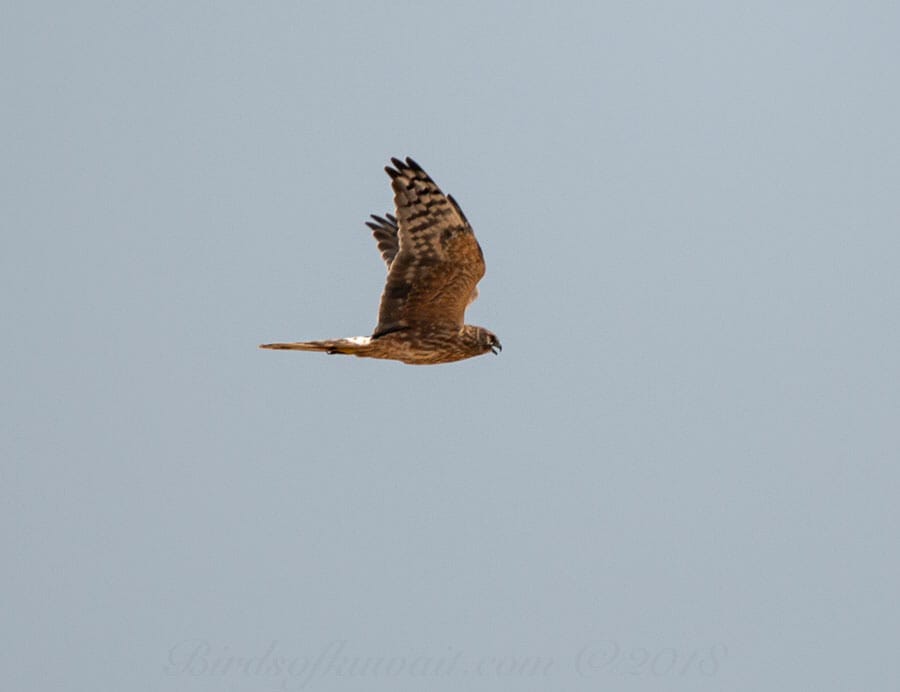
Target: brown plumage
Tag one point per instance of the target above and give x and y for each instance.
(434, 264)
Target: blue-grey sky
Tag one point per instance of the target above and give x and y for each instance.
(680, 474)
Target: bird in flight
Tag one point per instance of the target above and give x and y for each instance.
(434, 264)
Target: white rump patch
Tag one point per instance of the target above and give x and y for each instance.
(360, 340)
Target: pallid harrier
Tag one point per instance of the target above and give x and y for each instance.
(434, 264)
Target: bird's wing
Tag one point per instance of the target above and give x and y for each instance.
(438, 262)
(384, 228)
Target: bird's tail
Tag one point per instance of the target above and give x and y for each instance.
(355, 345)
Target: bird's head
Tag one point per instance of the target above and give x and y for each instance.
(487, 341)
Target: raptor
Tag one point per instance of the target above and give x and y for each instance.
(434, 264)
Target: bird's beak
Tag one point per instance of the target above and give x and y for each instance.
(496, 348)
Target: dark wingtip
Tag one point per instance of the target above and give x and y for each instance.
(458, 208)
(379, 223)
(412, 164)
(391, 172)
(398, 164)
(388, 223)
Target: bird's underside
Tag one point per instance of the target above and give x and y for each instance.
(434, 264)
(412, 346)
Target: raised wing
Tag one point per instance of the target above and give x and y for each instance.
(385, 232)
(432, 276)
